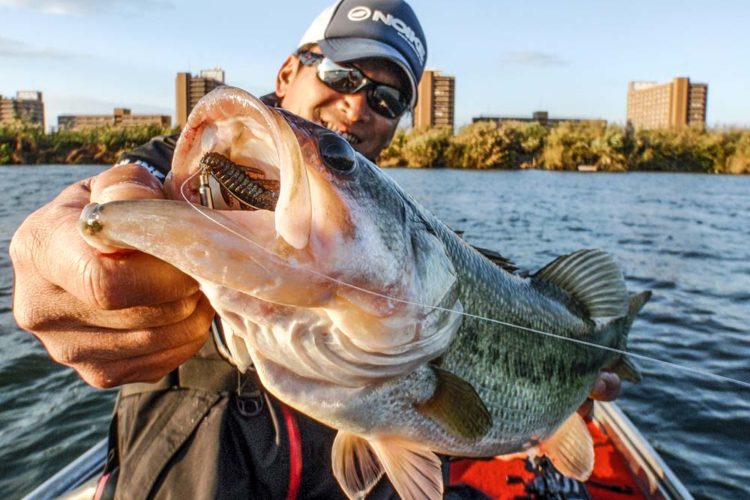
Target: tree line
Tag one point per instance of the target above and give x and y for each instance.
(565, 146)
(480, 145)
(22, 143)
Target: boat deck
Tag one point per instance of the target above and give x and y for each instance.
(507, 479)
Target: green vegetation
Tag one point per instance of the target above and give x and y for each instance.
(21, 143)
(481, 145)
(611, 148)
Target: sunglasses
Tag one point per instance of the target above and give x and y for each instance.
(385, 100)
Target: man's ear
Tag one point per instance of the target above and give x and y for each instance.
(286, 75)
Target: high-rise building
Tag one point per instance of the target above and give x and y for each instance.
(678, 103)
(436, 101)
(27, 106)
(121, 117)
(189, 89)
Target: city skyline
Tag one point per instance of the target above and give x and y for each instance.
(90, 57)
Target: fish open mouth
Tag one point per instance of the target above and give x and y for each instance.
(236, 154)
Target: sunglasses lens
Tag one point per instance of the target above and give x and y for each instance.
(339, 78)
(384, 100)
(387, 101)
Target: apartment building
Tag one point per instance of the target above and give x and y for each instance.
(189, 89)
(436, 101)
(678, 103)
(121, 117)
(541, 117)
(27, 106)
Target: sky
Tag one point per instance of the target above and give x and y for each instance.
(573, 59)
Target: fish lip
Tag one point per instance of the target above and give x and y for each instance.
(215, 124)
(90, 220)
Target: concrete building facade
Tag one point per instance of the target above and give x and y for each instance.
(436, 101)
(189, 89)
(541, 117)
(27, 106)
(121, 117)
(678, 103)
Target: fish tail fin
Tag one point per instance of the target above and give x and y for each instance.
(623, 366)
(413, 470)
(594, 280)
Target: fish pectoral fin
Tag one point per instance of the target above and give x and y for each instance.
(571, 448)
(355, 465)
(358, 464)
(456, 406)
(593, 278)
(413, 470)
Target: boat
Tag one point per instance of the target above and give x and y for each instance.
(587, 168)
(626, 467)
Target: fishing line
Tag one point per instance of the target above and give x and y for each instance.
(283, 263)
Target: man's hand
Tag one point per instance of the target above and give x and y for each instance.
(114, 318)
(606, 388)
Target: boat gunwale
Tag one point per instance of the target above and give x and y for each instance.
(655, 478)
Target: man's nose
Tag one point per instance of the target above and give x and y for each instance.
(356, 107)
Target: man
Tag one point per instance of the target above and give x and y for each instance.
(187, 424)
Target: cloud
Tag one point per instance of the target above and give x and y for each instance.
(16, 48)
(83, 7)
(532, 58)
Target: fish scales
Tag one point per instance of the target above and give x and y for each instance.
(349, 299)
(525, 379)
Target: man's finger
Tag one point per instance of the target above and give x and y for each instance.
(606, 388)
(147, 368)
(70, 311)
(125, 182)
(86, 345)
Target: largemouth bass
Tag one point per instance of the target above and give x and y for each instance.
(359, 308)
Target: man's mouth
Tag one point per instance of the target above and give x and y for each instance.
(350, 138)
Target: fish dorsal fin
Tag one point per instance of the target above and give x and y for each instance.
(355, 465)
(593, 278)
(498, 259)
(413, 470)
(456, 406)
(571, 448)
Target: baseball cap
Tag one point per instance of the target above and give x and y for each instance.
(364, 29)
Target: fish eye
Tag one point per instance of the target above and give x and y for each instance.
(336, 152)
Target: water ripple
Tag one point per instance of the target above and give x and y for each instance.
(682, 236)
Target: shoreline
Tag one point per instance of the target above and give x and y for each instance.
(491, 169)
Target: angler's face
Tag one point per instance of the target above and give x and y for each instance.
(304, 94)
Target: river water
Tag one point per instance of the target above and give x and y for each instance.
(685, 237)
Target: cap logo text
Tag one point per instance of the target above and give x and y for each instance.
(405, 31)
